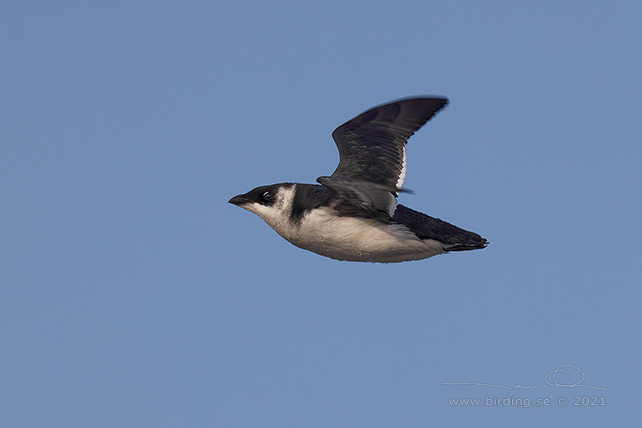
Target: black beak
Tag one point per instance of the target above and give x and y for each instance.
(239, 200)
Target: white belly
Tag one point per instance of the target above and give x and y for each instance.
(358, 239)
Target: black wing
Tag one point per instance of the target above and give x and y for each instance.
(425, 227)
(354, 198)
(372, 146)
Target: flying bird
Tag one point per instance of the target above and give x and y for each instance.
(353, 215)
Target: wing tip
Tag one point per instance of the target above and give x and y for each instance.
(483, 243)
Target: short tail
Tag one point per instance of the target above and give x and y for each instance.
(452, 237)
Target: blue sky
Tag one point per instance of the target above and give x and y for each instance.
(132, 294)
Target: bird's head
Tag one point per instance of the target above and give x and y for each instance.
(272, 203)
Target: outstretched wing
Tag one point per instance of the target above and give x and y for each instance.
(372, 146)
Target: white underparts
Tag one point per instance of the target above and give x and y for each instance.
(359, 239)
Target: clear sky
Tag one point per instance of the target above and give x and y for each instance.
(133, 295)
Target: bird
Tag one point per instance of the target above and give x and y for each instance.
(353, 215)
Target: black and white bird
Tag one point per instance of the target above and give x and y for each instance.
(353, 215)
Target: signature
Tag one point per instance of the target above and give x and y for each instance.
(551, 377)
(566, 375)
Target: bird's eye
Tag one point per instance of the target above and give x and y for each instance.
(267, 197)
